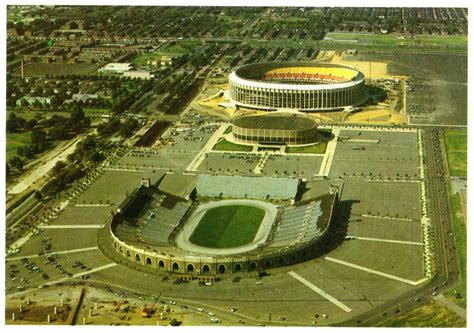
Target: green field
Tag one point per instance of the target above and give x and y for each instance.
(456, 149)
(178, 48)
(15, 140)
(319, 148)
(430, 315)
(142, 59)
(461, 246)
(96, 111)
(229, 146)
(181, 47)
(228, 226)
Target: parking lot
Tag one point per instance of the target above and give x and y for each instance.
(383, 235)
(230, 163)
(376, 153)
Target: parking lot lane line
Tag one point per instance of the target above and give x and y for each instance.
(373, 271)
(384, 240)
(72, 226)
(57, 252)
(319, 291)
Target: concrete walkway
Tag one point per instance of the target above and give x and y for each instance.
(373, 271)
(384, 240)
(319, 291)
(57, 252)
(193, 166)
(329, 155)
(71, 226)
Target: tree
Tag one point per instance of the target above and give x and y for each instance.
(17, 163)
(58, 132)
(129, 127)
(58, 166)
(15, 123)
(25, 151)
(77, 114)
(30, 124)
(38, 136)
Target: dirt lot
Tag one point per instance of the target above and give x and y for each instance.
(442, 84)
(40, 69)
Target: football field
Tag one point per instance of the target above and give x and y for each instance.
(228, 226)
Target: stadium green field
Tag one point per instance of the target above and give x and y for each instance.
(228, 226)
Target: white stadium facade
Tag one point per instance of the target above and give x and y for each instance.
(299, 86)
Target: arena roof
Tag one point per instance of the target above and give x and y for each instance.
(247, 187)
(276, 121)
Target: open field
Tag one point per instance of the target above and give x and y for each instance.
(15, 140)
(181, 47)
(430, 315)
(319, 148)
(43, 69)
(228, 226)
(229, 146)
(375, 43)
(392, 40)
(461, 245)
(95, 111)
(456, 149)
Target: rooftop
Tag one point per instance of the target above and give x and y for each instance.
(283, 121)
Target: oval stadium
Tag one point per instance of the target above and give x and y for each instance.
(275, 128)
(299, 86)
(252, 224)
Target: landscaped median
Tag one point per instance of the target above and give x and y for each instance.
(224, 145)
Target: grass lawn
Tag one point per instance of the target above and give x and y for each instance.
(181, 47)
(228, 130)
(461, 246)
(429, 315)
(460, 41)
(141, 59)
(319, 148)
(15, 140)
(226, 145)
(96, 110)
(228, 226)
(456, 149)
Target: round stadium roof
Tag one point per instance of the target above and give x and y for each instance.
(276, 121)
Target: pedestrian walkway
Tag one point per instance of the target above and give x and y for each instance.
(320, 291)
